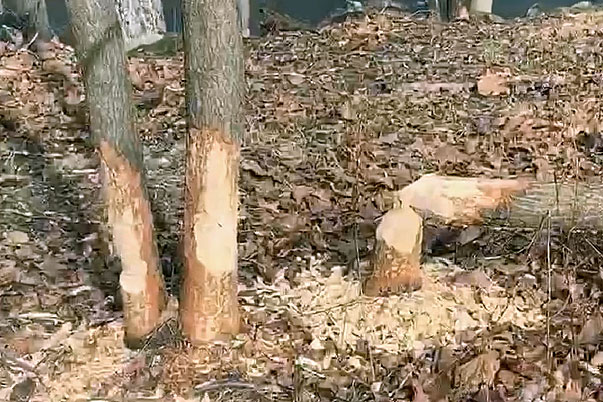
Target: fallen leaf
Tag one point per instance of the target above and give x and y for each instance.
(481, 370)
(419, 394)
(295, 78)
(597, 359)
(476, 278)
(591, 331)
(54, 66)
(299, 193)
(17, 237)
(492, 84)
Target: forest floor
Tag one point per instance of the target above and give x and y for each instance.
(336, 122)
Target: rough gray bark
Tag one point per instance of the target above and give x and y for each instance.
(576, 205)
(100, 49)
(244, 12)
(142, 21)
(214, 65)
(214, 89)
(481, 6)
(37, 16)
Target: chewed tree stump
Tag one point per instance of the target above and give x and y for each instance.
(396, 262)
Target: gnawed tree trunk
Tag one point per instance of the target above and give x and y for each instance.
(396, 261)
(214, 82)
(142, 21)
(36, 15)
(101, 53)
(459, 200)
(521, 203)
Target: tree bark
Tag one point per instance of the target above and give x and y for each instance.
(214, 89)
(396, 262)
(101, 54)
(481, 6)
(572, 205)
(244, 12)
(37, 16)
(142, 21)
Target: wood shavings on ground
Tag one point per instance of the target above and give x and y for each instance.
(334, 310)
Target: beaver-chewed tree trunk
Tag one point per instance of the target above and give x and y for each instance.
(214, 82)
(101, 55)
(396, 261)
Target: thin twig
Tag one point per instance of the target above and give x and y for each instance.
(215, 385)
(549, 285)
(329, 309)
(31, 41)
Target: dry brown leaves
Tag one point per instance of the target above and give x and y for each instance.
(336, 123)
(493, 84)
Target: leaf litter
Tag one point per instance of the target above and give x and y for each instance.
(337, 121)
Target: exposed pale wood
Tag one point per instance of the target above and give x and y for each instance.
(516, 203)
(395, 264)
(459, 200)
(214, 72)
(100, 50)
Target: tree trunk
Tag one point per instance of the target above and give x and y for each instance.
(101, 54)
(214, 82)
(36, 16)
(481, 6)
(142, 21)
(244, 12)
(396, 261)
(572, 205)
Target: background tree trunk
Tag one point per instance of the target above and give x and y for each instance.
(101, 54)
(244, 13)
(37, 16)
(481, 6)
(214, 82)
(142, 21)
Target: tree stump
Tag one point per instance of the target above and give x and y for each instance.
(396, 262)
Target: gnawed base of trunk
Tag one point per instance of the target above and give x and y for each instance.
(209, 307)
(393, 273)
(131, 224)
(395, 266)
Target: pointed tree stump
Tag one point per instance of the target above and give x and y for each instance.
(396, 262)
